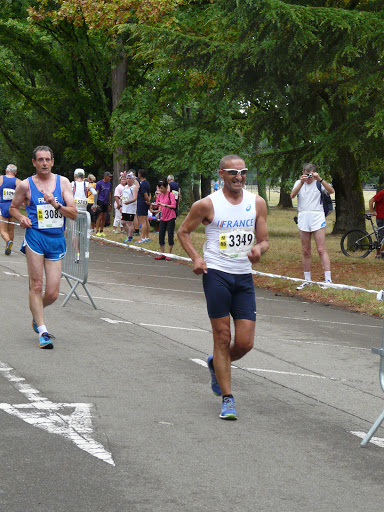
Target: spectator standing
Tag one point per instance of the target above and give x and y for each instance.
(155, 209)
(136, 224)
(167, 203)
(129, 206)
(311, 220)
(143, 203)
(175, 188)
(117, 195)
(92, 200)
(8, 184)
(376, 207)
(104, 201)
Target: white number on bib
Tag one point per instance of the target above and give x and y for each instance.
(48, 217)
(8, 194)
(236, 243)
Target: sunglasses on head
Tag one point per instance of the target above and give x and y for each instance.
(235, 172)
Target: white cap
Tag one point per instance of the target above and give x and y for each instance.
(79, 172)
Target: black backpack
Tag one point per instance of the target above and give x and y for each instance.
(325, 200)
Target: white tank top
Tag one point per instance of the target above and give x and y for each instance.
(230, 235)
(80, 194)
(128, 196)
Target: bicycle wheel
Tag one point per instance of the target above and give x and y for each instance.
(356, 243)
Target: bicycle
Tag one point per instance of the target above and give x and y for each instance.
(357, 243)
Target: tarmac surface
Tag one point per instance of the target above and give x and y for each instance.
(119, 416)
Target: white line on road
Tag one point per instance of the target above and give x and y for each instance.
(322, 344)
(320, 321)
(110, 321)
(293, 374)
(70, 420)
(378, 441)
(152, 275)
(146, 287)
(165, 304)
(173, 327)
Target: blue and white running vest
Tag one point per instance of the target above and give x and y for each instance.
(43, 215)
(230, 235)
(7, 189)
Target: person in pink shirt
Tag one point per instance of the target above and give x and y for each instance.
(167, 201)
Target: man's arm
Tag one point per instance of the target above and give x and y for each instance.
(135, 191)
(297, 188)
(200, 211)
(325, 184)
(69, 210)
(21, 195)
(371, 202)
(261, 231)
(93, 192)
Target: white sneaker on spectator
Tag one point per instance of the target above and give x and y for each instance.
(303, 285)
(324, 286)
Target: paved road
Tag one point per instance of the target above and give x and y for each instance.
(127, 419)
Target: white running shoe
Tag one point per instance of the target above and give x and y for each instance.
(303, 285)
(325, 285)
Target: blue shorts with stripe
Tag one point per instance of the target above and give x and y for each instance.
(229, 294)
(51, 247)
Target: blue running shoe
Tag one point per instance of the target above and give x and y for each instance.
(45, 340)
(34, 326)
(228, 409)
(8, 248)
(214, 384)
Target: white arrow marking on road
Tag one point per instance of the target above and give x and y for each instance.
(379, 441)
(110, 321)
(75, 424)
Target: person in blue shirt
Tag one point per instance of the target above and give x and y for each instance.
(49, 201)
(8, 184)
(104, 201)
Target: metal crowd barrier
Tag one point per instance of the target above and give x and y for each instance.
(380, 419)
(75, 262)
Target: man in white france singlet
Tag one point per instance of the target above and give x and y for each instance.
(49, 199)
(232, 217)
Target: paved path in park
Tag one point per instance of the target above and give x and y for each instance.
(119, 417)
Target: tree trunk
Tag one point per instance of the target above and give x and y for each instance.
(285, 200)
(262, 186)
(350, 207)
(205, 186)
(119, 83)
(196, 190)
